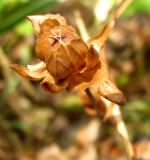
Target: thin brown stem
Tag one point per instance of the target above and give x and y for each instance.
(92, 99)
(116, 113)
(110, 24)
(81, 25)
(121, 8)
(120, 126)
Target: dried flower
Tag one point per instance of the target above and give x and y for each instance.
(67, 61)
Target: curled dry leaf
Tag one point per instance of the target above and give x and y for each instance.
(67, 61)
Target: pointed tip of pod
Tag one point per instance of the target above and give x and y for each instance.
(118, 98)
(35, 20)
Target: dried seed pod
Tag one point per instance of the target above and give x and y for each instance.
(67, 61)
(59, 46)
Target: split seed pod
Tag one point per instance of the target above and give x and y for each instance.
(67, 61)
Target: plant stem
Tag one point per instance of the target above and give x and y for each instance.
(116, 113)
(121, 129)
(91, 97)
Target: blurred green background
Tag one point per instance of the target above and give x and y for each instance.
(31, 119)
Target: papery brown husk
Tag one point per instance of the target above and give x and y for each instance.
(69, 63)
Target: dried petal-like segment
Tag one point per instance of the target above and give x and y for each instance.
(49, 19)
(76, 58)
(82, 80)
(106, 86)
(48, 84)
(92, 58)
(64, 61)
(59, 64)
(80, 47)
(29, 74)
(109, 90)
(37, 67)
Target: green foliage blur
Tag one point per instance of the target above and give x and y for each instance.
(138, 7)
(14, 11)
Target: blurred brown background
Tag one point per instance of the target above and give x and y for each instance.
(35, 125)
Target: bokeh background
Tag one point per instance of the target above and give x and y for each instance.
(35, 125)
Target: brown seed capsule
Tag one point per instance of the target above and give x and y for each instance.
(67, 61)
